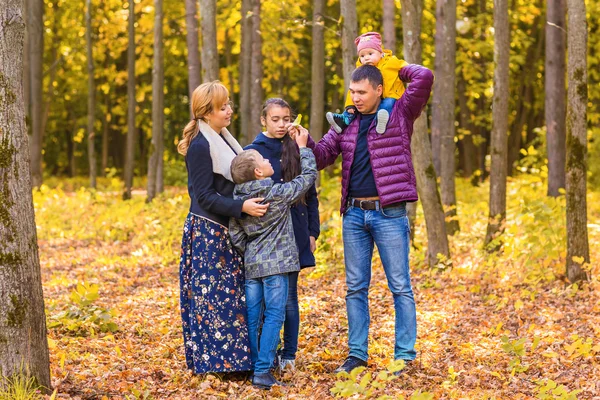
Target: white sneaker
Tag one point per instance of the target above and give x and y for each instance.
(287, 364)
(382, 119)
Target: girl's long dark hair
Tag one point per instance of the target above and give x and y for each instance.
(290, 153)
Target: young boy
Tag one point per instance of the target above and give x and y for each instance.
(370, 52)
(269, 249)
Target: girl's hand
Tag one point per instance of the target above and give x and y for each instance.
(302, 136)
(313, 244)
(292, 130)
(254, 208)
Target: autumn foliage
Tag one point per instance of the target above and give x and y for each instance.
(503, 326)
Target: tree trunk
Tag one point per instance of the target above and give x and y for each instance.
(256, 73)
(210, 55)
(389, 25)
(412, 11)
(91, 94)
(35, 28)
(245, 68)
(443, 104)
(156, 148)
(349, 33)
(499, 143)
(131, 102)
(468, 152)
(193, 47)
(317, 100)
(229, 63)
(23, 343)
(578, 251)
(555, 107)
(26, 66)
(105, 133)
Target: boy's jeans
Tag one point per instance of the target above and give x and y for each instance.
(273, 290)
(389, 230)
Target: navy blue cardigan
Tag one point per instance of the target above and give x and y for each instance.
(211, 194)
(305, 218)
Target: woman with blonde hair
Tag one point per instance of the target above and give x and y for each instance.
(213, 307)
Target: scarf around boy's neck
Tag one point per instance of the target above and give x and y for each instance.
(220, 152)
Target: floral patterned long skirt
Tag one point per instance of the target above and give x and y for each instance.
(213, 302)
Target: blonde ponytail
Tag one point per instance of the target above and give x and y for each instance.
(189, 133)
(205, 98)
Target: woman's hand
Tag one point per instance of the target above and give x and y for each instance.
(313, 244)
(254, 208)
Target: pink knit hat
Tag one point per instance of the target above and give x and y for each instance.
(369, 40)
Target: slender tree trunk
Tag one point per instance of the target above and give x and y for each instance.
(317, 100)
(156, 148)
(23, 343)
(578, 251)
(256, 72)
(468, 152)
(35, 29)
(349, 33)
(193, 47)
(389, 25)
(499, 143)
(245, 68)
(442, 119)
(555, 108)
(91, 94)
(412, 11)
(105, 132)
(231, 83)
(130, 147)
(210, 55)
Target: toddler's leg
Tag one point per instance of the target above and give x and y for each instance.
(339, 122)
(383, 114)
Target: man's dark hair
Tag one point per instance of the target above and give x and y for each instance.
(368, 72)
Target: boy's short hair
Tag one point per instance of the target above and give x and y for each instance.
(368, 72)
(243, 165)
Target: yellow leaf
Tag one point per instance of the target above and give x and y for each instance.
(518, 305)
(578, 260)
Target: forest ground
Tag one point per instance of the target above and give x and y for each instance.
(500, 326)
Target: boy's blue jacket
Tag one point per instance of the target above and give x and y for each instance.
(268, 242)
(305, 217)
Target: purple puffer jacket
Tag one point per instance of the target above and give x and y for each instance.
(391, 159)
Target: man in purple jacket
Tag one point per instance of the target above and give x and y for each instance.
(377, 180)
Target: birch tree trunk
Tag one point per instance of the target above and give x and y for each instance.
(131, 102)
(23, 343)
(437, 239)
(158, 78)
(499, 140)
(349, 33)
(91, 94)
(210, 55)
(555, 107)
(443, 105)
(578, 251)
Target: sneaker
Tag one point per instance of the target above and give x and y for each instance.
(265, 381)
(351, 363)
(336, 121)
(382, 119)
(287, 364)
(407, 368)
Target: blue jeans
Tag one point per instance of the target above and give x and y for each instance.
(270, 291)
(389, 230)
(387, 103)
(291, 327)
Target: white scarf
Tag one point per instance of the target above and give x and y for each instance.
(220, 153)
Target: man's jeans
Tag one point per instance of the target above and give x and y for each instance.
(389, 230)
(273, 291)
